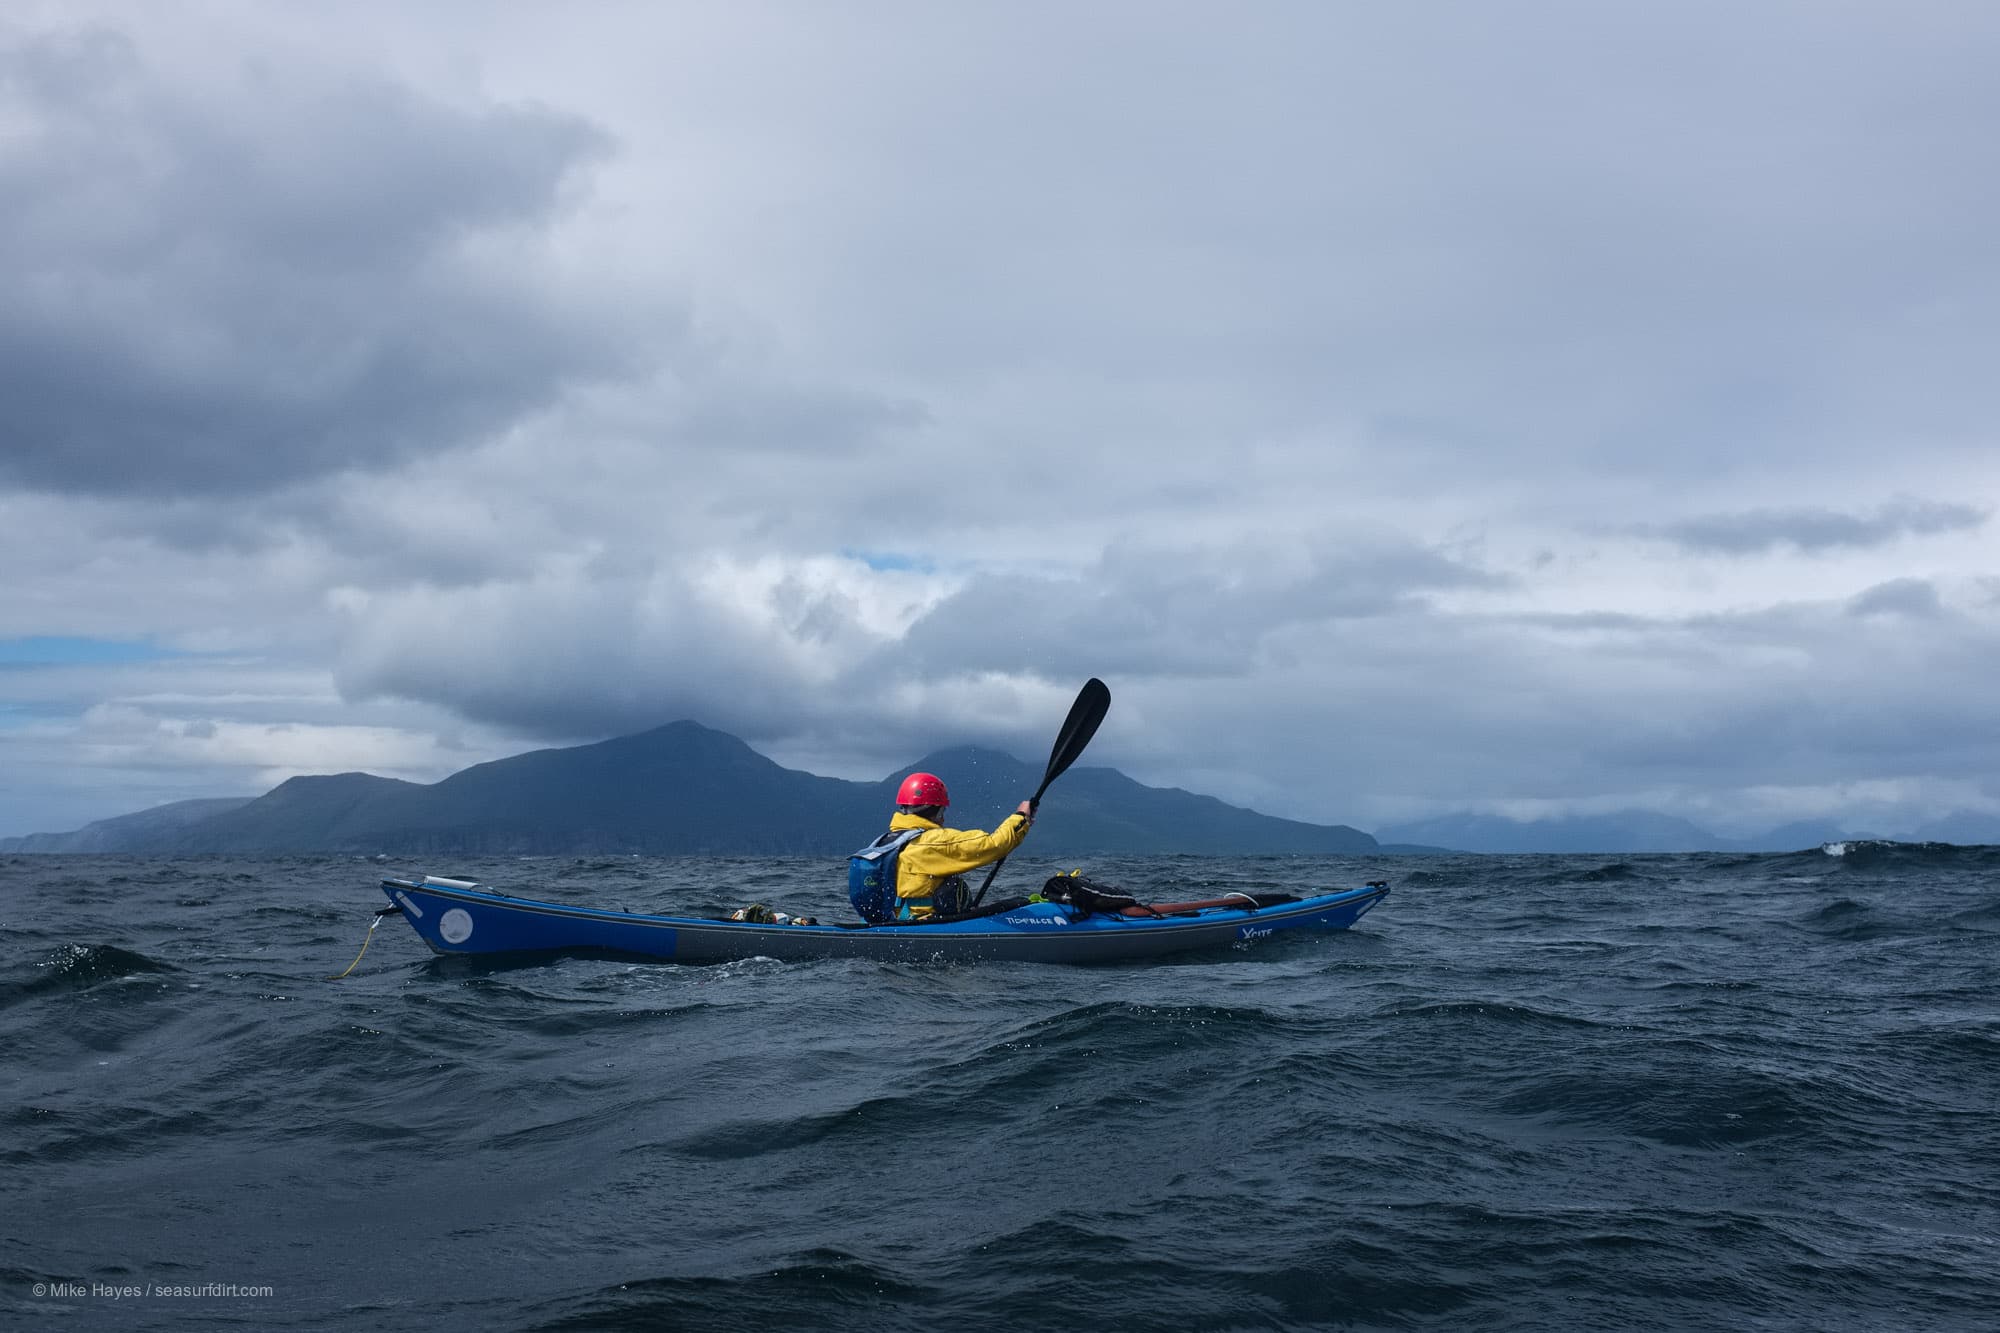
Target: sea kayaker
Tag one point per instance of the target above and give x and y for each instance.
(929, 869)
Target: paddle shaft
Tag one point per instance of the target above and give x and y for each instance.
(1093, 701)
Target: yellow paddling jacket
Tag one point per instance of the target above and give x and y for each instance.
(939, 853)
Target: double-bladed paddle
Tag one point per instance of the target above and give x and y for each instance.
(1093, 701)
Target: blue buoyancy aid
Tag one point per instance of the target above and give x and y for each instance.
(871, 876)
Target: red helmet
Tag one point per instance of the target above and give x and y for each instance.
(923, 789)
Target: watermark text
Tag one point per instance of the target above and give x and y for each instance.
(139, 1291)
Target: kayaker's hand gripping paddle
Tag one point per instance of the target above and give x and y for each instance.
(1093, 701)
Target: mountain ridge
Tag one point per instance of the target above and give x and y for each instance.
(687, 789)
(1644, 831)
(109, 835)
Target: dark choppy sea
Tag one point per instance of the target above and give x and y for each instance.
(1528, 1092)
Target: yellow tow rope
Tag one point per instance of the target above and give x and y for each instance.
(390, 911)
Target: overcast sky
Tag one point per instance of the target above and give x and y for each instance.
(1529, 408)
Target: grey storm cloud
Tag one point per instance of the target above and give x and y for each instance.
(1145, 610)
(1901, 597)
(1784, 696)
(224, 287)
(632, 649)
(1815, 529)
(1263, 369)
(635, 648)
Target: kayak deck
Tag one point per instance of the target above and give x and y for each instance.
(456, 917)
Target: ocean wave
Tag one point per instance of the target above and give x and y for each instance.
(1090, 1065)
(107, 1131)
(78, 967)
(1880, 853)
(1848, 920)
(1709, 1104)
(1986, 916)
(1494, 1013)
(835, 1285)
(1535, 1093)
(1439, 879)
(1613, 872)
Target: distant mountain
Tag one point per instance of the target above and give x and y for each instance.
(1968, 828)
(1624, 831)
(1627, 831)
(1102, 810)
(685, 789)
(678, 789)
(1799, 836)
(127, 833)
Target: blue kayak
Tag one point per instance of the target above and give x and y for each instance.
(458, 917)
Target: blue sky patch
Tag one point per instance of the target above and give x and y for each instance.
(892, 561)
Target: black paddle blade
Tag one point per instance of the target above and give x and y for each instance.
(1093, 701)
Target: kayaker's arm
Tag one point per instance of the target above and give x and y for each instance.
(951, 851)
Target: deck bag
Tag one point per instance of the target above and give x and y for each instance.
(1073, 890)
(871, 876)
